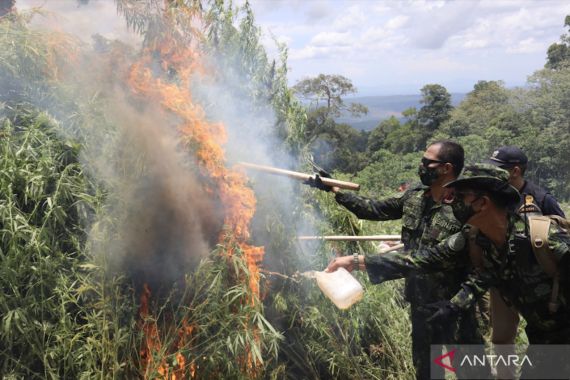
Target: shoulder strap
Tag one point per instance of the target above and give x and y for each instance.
(538, 229)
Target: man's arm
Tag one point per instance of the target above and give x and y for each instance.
(370, 209)
(450, 254)
(550, 206)
(473, 288)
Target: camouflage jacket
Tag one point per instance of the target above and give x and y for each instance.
(512, 269)
(425, 223)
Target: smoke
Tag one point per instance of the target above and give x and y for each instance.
(250, 126)
(165, 219)
(161, 215)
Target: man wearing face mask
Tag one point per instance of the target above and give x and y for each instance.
(425, 223)
(493, 243)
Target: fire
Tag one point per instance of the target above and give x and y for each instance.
(152, 344)
(151, 337)
(229, 184)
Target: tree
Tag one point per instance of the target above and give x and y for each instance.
(434, 112)
(377, 138)
(488, 104)
(436, 107)
(558, 54)
(333, 145)
(330, 89)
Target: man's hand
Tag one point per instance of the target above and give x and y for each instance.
(346, 262)
(444, 312)
(317, 183)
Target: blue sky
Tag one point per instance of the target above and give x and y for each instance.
(384, 47)
(396, 47)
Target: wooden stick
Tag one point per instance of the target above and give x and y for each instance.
(353, 238)
(300, 176)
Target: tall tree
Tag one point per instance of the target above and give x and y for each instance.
(558, 54)
(330, 90)
(436, 106)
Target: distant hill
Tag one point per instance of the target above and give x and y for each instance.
(382, 107)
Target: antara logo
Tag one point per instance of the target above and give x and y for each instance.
(495, 360)
(450, 355)
(481, 360)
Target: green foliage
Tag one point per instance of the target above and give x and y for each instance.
(388, 171)
(341, 148)
(368, 341)
(433, 113)
(487, 105)
(534, 118)
(377, 137)
(56, 321)
(419, 126)
(558, 54)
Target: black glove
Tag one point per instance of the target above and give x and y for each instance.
(444, 313)
(317, 183)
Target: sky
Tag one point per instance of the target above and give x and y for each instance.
(396, 47)
(384, 47)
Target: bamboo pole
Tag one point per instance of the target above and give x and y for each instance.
(353, 238)
(300, 176)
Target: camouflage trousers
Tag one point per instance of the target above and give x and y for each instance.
(424, 334)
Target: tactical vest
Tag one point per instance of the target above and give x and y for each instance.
(539, 227)
(425, 224)
(536, 192)
(422, 226)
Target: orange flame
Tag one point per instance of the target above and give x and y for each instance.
(151, 337)
(231, 185)
(238, 199)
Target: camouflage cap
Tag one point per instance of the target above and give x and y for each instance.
(487, 177)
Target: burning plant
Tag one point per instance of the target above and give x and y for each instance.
(163, 75)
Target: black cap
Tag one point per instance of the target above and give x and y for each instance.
(508, 156)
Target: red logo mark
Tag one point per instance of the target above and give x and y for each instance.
(439, 360)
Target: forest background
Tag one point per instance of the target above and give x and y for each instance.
(101, 190)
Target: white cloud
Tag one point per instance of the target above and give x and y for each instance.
(428, 63)
(320, 52)
(332, 39)
(397, 22)
(375, 34)
(529, 45)
(353, 17)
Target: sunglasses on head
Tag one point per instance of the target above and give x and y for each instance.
(426, 162)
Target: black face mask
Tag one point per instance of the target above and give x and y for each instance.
(427, 175)
(461, 211)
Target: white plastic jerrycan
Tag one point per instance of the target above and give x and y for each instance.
(340, 287)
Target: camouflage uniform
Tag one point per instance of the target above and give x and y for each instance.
(512, 269)
(425, 223)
